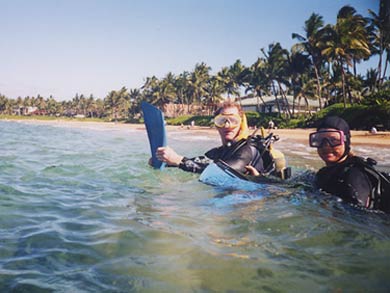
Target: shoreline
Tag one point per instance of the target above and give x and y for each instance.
(359, 137)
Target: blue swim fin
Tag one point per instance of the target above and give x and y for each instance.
(155, 126)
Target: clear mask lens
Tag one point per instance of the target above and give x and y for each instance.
(233, 120)
(333, 138)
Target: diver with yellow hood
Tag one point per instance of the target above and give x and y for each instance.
(238, 150)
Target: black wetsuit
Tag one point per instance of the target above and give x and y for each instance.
(347, 181)
(234, 156)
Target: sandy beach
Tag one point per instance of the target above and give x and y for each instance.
(380, 139)
(359, 137)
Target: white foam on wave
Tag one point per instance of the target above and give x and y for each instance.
(380, 154)
(101, 127)
(192, 137)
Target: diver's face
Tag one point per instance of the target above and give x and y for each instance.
(330, 155)
(229, 131)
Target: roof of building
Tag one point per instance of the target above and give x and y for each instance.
(253, 101)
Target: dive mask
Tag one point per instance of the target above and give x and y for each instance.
(332, 137)
(233, 119)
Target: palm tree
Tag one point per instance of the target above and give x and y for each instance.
(165, 91)
(237, 74)
(41, 102)
(181, 85)
(197, 83)
(148, 88)
(75, 106)
(112, 103)
(160, 92)
(124, 102)
(83, 105)
(309, 44)
(27, 102)
(299, 72)
(225, 79)
(256, 80)
(213, 95)
(52, 106)
(18, 104)
(277, 70)
(100, 108)
(381, 37)
(4, 105)
(231, 78)
(90, 105)
(344, 42)
(370, 81)
(135, 101)
(169, 82)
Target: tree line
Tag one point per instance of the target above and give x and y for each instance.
(320, 66)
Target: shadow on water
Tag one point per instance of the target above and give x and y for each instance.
(82, 212)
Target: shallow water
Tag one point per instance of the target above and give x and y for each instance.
(82, 212)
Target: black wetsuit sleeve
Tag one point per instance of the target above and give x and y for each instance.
(236, 159)
(195, 165)
(358, 186)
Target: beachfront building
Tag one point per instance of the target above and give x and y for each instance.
(26, 111)
(269, 104)
(175, 110)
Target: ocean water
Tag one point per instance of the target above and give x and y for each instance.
(81, 211)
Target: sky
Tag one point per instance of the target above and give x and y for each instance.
(68, 47)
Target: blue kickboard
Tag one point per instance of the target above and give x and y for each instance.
(218, 175)
(155, 127)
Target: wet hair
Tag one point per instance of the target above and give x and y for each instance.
(228, 104)
(338, 123)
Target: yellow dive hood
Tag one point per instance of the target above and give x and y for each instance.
(244, 130)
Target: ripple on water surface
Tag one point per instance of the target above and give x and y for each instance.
(82, 212)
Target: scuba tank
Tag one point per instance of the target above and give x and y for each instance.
(281, 169)
(380, 180)
(273, 161)
(279, 164)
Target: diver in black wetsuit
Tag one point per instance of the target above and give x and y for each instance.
(343, 175)
(233, 130)
(236, 154)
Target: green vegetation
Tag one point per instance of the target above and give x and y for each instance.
(187, 119)
(320, 67)
(254, 119)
